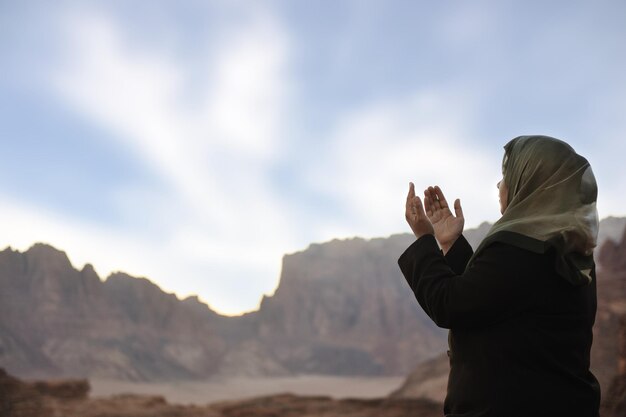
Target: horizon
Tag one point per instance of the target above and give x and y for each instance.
(104, 277)
(203, 140)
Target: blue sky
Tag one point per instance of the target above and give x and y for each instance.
(195, 142)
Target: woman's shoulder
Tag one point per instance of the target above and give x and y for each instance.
(511, 253)
(517, 240)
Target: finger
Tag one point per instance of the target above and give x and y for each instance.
(435, 198)
(428, 197)
(442, 199)
(428, 205)
(431, 199)
(458, 211)
(409, 197)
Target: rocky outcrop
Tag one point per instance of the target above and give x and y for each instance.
(18, 399)
(67, 390)
(428, 380)
(22, 399)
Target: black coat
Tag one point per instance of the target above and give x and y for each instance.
(520, 335)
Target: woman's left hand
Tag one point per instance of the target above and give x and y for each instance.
(415, 215)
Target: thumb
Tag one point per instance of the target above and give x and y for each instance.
(457, 208)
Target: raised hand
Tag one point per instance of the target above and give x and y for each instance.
(447, 227)
(415, 215)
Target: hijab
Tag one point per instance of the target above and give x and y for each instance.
(552, 195)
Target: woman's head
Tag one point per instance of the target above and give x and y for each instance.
(547, 186)
(548, 200)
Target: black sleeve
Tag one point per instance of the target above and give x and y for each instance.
(498, 284)
(459, 254)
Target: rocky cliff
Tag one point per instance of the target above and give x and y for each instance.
(343, 306)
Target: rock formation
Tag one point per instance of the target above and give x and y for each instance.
(614, 398)
(343, 308)
(20, 400)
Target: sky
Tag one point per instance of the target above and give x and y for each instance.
(196, 143)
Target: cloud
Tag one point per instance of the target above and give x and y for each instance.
(250, 88)
(213, 157)
(423, 138)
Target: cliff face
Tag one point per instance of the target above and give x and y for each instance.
(344, 308)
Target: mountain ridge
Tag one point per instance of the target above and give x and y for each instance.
(341, 307)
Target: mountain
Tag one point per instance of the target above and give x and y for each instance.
(59, 321)
(341, 307)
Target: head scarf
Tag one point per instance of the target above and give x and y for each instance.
(552, 195)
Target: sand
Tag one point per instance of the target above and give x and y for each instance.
(203, 392)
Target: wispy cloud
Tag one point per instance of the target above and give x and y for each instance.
(214, 157)
(423, 138)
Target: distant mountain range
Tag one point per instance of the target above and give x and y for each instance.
(341, 308)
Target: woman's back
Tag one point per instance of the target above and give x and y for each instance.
(522, 346)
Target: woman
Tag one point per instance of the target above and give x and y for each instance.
(520, 310)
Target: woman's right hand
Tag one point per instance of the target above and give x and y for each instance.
(447, 227)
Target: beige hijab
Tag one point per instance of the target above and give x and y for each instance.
(552, 196)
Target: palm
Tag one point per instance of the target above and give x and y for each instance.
(446, 225)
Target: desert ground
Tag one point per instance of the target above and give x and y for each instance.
(217, 389)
